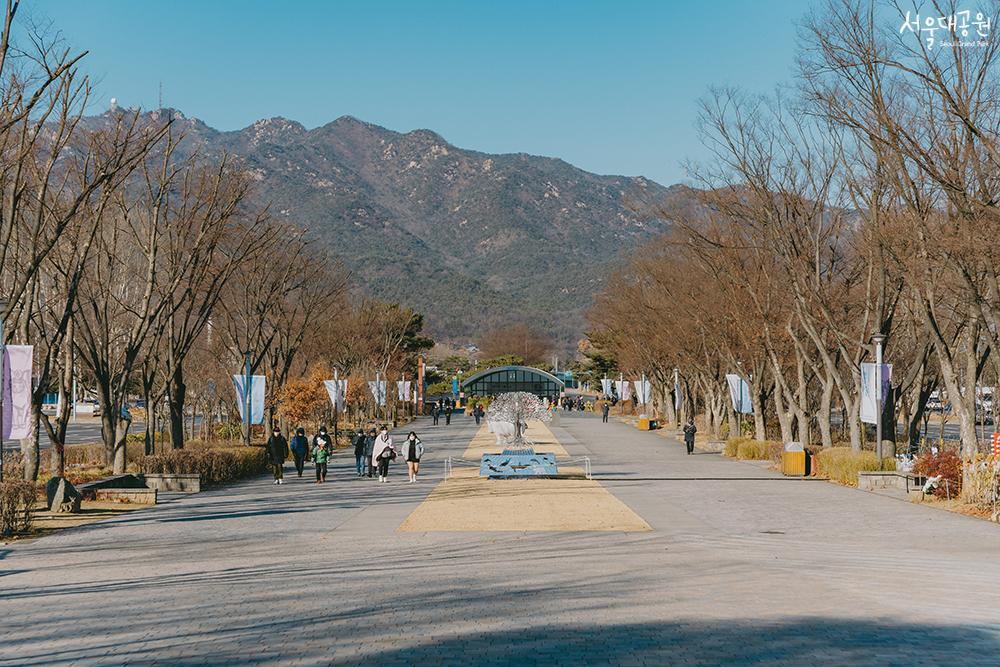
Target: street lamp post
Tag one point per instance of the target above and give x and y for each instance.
(878, 339)
(677, 398)
(247, 380)
(3, 385)
(739, 419)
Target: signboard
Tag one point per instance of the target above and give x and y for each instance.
(403, 390)
(623, 389)
(377, 388)
(606, 387)
(17, 422)
(869, 403)
(256, 397)
(643, 390)
(739, 394)
(337, 390)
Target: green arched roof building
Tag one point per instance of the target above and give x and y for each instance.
(495, 381)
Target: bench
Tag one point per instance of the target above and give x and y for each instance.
(891, 480)
(89, 490)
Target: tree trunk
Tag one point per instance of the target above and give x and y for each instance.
(148, 443)
(784, 417)
(29, 445)
(120, 451)
(823, 416)
(108, 423)
(734, 422)
(175, 405)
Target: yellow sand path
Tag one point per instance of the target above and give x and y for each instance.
(468, 502)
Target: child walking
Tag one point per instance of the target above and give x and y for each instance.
(320, 455)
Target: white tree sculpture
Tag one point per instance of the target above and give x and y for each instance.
(517, 408)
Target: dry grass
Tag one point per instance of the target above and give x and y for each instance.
(748, 449)
(842, 464)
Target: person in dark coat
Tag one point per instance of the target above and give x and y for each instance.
(277, 452)
(605, 409)
(447, 415)
(689, 430)
(436, 413)
(369, 448)
(359, 452)
(300, 449)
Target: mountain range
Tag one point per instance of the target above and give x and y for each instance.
(470, 239)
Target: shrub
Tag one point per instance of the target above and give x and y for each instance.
(981, 483)
(93, 455)
(228, 430)
(17, 506)
(733, 446)
(842, 464)
(948, 466)
(756, 450)
(752, 450)
(215, 466)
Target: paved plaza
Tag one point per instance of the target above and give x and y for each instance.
(741, 567)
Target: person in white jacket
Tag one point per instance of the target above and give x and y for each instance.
(383, 453)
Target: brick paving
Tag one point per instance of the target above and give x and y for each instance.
(742, 567)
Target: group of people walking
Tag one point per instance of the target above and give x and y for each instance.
(278, 450)
(373, 452)
(441, 408)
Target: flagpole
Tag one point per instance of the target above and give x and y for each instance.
(246, 396)
(336, 403)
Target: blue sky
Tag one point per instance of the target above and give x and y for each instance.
(608, 86)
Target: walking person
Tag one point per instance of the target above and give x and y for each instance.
(369, 447)
(383, 453)
(605, 409)
(447, 416)
(689, 430)
(277, 452)
(320, 454)
(436, 413)
(359, 452)
(413, 449)
(477, 412)
(300, 449)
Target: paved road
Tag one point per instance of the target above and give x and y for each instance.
(79, 433)
(742, 567)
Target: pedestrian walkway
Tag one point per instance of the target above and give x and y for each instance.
(740, 567)
(468, 502)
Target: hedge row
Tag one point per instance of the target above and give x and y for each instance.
(216, 466)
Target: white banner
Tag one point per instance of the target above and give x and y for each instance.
(403, 390)
(377, 387)
(677, 395)
(17, 392)
(869, 405)
(606, 386)
(739, 394)
(623, 390)
(643, 390)
(337, 390)
(256, 397)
